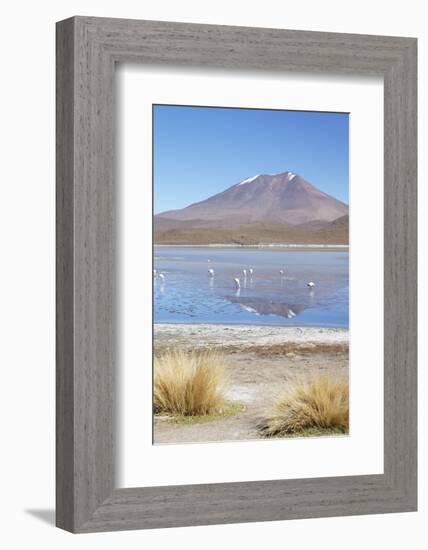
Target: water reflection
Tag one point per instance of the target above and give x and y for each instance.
(267, 307)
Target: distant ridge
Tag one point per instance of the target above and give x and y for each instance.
(259, 209)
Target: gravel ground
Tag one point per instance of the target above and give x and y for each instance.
(245, 335)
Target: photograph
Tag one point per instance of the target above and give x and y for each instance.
(250, 274)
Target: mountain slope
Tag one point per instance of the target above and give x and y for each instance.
(279, 198)
(254, 234)
(263, 209)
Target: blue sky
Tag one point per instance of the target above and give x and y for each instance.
(200, 151)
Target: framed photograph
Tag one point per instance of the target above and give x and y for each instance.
(236, 274)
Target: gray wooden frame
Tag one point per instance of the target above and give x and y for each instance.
(87, 50)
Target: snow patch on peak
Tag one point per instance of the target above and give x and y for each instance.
(289, 175)
(248, 180)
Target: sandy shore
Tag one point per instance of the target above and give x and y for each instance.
(244, 336)
(261, 362)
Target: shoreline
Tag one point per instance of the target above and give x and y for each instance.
(269, 245)
(242, 336)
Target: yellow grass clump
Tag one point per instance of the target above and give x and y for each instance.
(318, 405)
(189, 383)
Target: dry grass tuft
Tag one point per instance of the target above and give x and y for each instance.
(189, 383)
(318, 405)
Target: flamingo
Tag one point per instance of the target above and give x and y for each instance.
(310, 284)
(251, 271)
(244, 273)
(237, 282)
(154, 273)
(162, 277)
(211, 272)
(281, 272)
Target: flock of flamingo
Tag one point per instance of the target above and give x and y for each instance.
(236, 280)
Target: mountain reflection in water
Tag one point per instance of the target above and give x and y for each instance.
(267, 307)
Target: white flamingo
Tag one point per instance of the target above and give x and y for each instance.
(244, 273)
(211, 272)
(162, 277)
(281, 272)
(311, 284)
(251, 271)
(237, 282)
(154, 273)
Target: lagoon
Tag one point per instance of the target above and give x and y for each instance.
(189, 295)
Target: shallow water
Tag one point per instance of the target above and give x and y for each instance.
(189, 295)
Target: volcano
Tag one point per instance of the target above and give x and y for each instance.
(282, 203)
